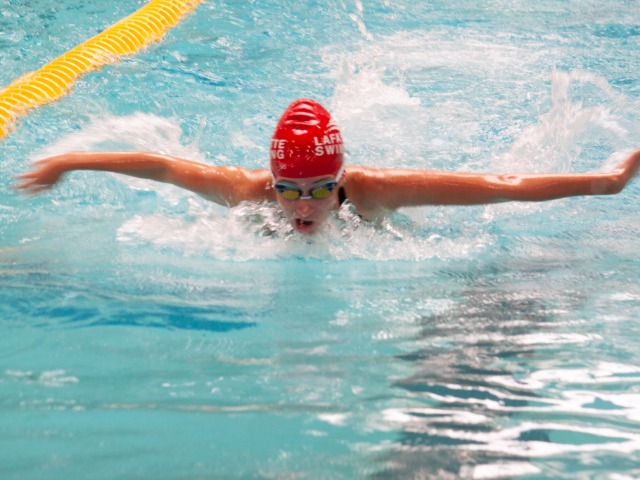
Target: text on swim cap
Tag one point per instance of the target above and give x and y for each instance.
(277, 149)
(330, 144)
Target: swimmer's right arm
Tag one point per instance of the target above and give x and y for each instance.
(223, 185)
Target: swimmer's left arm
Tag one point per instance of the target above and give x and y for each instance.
(374, 189)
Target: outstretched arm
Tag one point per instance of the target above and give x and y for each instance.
(223, 185)
(374, 189)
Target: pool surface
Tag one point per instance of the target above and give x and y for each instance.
(146, 333)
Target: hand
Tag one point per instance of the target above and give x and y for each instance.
(628, 167)
(46, 173)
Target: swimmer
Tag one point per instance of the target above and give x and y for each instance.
(308, 179)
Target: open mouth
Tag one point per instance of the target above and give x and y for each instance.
(303, 224)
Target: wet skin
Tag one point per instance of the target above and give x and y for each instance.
(308, 215)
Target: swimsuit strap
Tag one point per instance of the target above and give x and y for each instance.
(342, 196)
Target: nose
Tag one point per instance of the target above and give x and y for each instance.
(304, 208)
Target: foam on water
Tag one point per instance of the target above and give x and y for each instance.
(557, 140)
(372, 109)
(145, 324)
(186, 223)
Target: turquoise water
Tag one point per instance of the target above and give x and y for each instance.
(145, 333)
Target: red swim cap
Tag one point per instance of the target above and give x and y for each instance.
(306, 142)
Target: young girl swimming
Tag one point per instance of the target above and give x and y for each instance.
(308, 178)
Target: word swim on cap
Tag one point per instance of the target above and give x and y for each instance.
(306, 142)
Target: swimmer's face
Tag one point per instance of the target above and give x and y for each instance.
(307, 215)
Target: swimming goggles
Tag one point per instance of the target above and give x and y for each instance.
(319, 191)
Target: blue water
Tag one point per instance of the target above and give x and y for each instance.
(145, 333)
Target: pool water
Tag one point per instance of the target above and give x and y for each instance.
(146, 333)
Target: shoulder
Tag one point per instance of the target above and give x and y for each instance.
(375, 191)
(385, 177)
(254, 184)
(364, 186)
(232, 185)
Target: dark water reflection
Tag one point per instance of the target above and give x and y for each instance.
(471, 374)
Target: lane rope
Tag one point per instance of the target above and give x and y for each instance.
(54, 80)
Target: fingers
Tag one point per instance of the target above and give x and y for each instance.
(25, 175)
(31, 184)
(40, 178)
(34, 189)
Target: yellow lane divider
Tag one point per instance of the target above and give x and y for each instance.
(55, 79)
